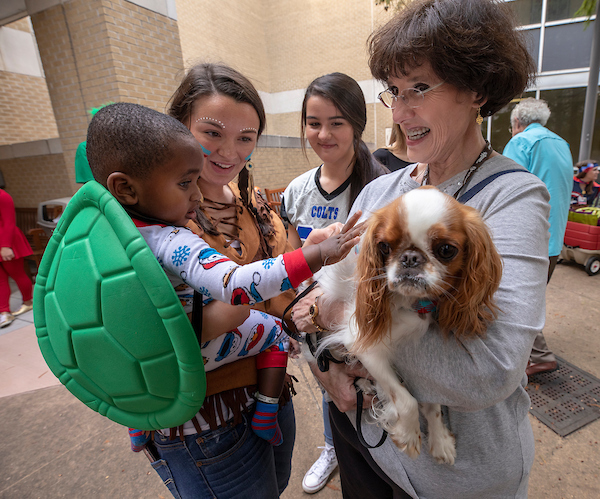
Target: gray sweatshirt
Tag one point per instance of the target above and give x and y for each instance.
(480, 384)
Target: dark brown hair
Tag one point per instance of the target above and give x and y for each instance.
(470, 44)
(208, 79)
(348, 98)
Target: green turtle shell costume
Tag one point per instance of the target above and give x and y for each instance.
(109, 323)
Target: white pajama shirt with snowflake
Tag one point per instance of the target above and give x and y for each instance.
(191, 264)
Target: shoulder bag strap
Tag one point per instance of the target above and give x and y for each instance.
(479, 186)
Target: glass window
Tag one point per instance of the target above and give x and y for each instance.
(532, 39)
(527, 11)
(557, 10)
(566, 105)
(567, 46)
(566, 119)
(501, 124)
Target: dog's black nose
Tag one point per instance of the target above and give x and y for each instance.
(412, 259)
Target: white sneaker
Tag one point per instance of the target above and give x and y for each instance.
(318, 474)
(6, 319)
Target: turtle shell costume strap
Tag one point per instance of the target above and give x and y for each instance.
(109, 323)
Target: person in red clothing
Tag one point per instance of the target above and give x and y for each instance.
(13, 249)
(585, 189)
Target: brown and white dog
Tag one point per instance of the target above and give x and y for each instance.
(423, 248)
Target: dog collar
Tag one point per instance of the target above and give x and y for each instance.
(424, 306)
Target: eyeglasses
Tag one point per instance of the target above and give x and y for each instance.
(412, 97)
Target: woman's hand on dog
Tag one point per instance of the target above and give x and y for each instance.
(338, 382)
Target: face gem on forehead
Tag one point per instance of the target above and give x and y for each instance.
(211, 119)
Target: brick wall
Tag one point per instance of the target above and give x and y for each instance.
(32, 180)
(234, 35)
(100, 51)
(314, 37)
(25, 110)
(277, 167)
(96, 51)
(282, 45)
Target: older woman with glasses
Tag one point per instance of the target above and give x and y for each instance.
(447, 65)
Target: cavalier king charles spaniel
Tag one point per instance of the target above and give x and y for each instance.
(424, 258)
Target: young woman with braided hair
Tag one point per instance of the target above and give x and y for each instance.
(225, 114)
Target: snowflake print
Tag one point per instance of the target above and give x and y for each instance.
(180, 255)
(267, 264)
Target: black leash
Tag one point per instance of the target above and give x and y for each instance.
(286, 328)
(359, 434)
(325, 357)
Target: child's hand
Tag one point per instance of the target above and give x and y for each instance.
(294, 349)
(7, 254)
(317, 236)
(337, 246)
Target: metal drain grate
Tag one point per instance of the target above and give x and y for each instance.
(566, 399)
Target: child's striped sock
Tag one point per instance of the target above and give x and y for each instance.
(264, 423)
(138, 438)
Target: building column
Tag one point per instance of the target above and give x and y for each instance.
(99, 51)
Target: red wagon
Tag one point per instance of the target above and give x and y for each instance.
(582, 244)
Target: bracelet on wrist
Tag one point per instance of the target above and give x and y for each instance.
(267, 400)
(313, 313)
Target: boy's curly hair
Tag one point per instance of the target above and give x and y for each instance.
(132, 139)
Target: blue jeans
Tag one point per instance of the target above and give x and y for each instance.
(231, 461)
(327, 423)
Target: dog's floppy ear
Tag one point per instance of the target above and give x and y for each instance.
(471, 308)
(372, 315)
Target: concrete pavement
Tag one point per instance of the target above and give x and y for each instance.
(53, 446)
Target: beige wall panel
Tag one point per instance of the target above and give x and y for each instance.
(232, 33)
(21, 25)
(285, 124)
(383, 120)
(313, 37)
(280, 44)
(25, 110)
(96, 51)
(277, 167)
(35, 179)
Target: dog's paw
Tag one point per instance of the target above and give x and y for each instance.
(409, 443)
(442, 447)
(407, 436)
(366, 386)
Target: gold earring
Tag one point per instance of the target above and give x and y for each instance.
(479, 119)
